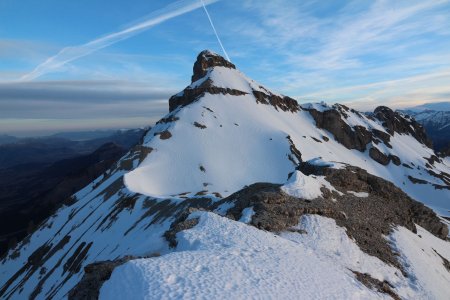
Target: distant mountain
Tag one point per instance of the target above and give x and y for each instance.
(436, 122)
(47, 188)
(51, 168)
(240, 193)
(84, 135)
(7, 139)
(46, 150)
(436, 106)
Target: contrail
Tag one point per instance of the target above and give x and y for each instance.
(69, 54)
(215, 32)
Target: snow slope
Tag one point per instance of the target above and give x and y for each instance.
(224, 259)
(225, 138)
(226, 154)
(221, 258)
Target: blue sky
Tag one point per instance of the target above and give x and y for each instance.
(362, 53)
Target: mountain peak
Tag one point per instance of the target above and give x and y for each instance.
(208, 59)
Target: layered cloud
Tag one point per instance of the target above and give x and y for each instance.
(61, 105)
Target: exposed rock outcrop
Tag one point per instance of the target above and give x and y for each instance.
(331, 120)
(382, 158)
(284, 103)
(396, 122)
(367, 219)
(375, 284)
(190, 95)
(207, 59)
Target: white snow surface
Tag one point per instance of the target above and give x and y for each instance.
(305, 187)
(224, 259)
(320, 106)
(421, 254)
(247, 214)
(427, 277)
(359, 194)
(245, 142)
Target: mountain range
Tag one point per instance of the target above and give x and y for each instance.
(38, 174)
(240, 192)
(436, 121)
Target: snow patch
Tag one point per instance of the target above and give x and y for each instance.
(302, 186)
(247, 214)
(421, 256)
(359, 194)
(321, 106)
(223, 208)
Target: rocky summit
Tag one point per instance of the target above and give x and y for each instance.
(243, 192)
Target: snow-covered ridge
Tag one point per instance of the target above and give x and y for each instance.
(225, 132)
(220, 258)
(217, 130)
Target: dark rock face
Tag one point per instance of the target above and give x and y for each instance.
(358, 137)
(207, 59)
(331, 120)
(190, 95)
(284, 103)
(383, 136)
(395, 122)
(183, 223)
(165, 135)
(378, 156)
(295, 153)
(382, 158)
(395, 159)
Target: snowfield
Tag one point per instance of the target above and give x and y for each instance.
(224, 259)
(239, 135)
(225, 139)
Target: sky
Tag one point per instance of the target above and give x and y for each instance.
(79, 65)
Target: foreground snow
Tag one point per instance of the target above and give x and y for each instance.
(221, 258)
(421, 253)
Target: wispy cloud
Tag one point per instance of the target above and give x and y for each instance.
(332, 49)
(69, 54)
(397, 93)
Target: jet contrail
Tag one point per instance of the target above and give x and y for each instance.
(215, 32)
(69, 54)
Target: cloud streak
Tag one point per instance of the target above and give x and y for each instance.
(70, 54)
(336, 51)
(81, 99)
